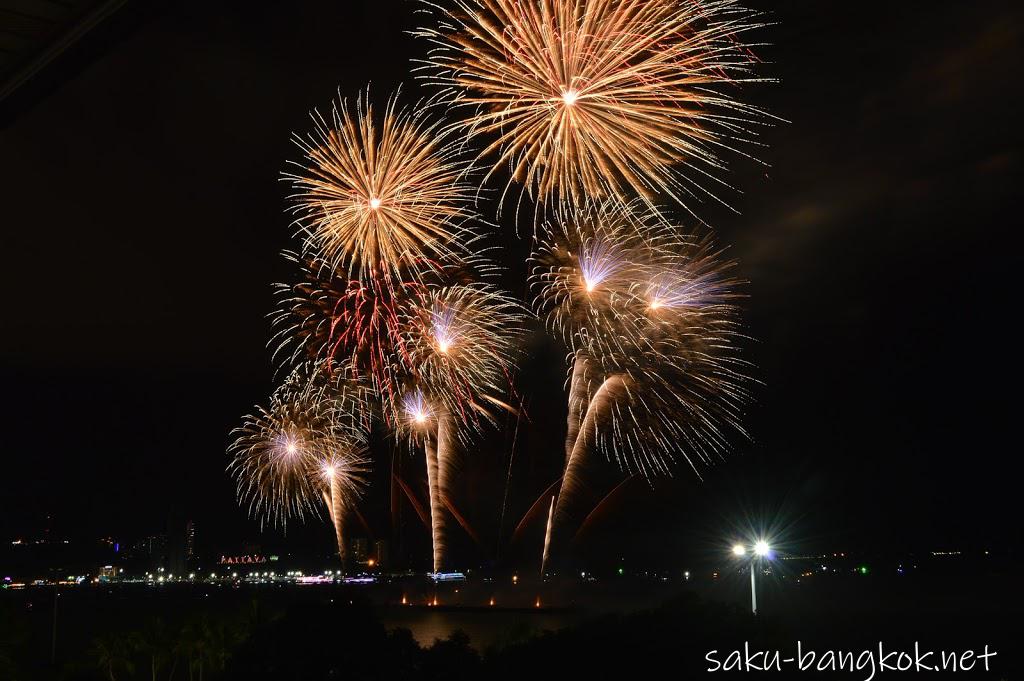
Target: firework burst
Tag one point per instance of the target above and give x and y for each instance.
(656, 370)
(584, 268)
(389, 334)
(333, 321)
(599, 97)
(305, 448)
(380, 196)
(462, 343)
(435, 357)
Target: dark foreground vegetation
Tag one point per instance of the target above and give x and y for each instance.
(323, 634)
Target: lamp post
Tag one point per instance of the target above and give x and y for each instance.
(761, 550)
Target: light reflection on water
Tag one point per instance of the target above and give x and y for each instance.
(484, 628)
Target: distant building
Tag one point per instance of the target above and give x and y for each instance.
(380, 551)
(148, 553)
(190, 541)
(361, 549)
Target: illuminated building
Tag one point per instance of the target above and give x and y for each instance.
(380, 551)
(361, 549)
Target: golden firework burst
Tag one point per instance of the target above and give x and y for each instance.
(599, 97)
(380, 196)
(307, 447)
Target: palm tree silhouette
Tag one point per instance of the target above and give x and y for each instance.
(113, 654)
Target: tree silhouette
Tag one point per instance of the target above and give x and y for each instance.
(113, 654)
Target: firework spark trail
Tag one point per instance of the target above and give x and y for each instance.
(413, 501)
(534, 507)
(461, 519)
(432, 427)
(598, 507)
(339, 469)
(599, 404)
(336, 501)
(381, 197)
(578, 400)
(437, 518)
(508, 486)
(598, 98)
(547, 536)
(446, 452)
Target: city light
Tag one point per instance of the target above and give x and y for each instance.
(761, 550)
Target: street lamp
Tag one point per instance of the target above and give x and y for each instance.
(761, 550)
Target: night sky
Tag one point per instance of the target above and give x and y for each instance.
(143, 214)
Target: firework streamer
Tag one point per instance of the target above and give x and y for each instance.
(335, 502)
(581, 444)
(338, 472)
(439, 453)
(437, 516)
(428, 429)
(534, 508)
(577, 404)
(601, 98)
(547, 536)
(599, 405)
(599, 506)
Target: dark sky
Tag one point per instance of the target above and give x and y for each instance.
(142, 216)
